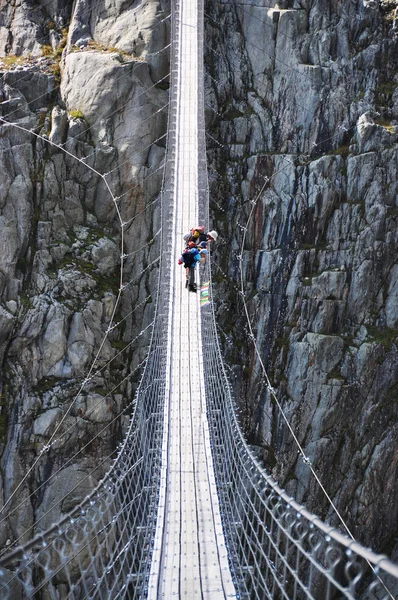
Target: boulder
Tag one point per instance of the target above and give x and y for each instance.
(46, 423)
(106, 256)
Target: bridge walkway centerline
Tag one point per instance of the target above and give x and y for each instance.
(190, 557)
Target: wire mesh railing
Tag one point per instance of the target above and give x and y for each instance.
(103, 547)
(277, 549)
(100, 548)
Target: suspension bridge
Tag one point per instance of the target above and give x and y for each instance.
(186, 510)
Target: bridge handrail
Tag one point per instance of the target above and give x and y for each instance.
(243, 473)
(114, 501)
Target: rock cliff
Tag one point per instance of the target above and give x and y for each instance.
(303, 99)
(88, 79)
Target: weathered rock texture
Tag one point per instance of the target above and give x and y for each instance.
(303, 97)
(96, 88)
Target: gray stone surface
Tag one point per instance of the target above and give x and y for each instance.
(304, 93)
(306, 96)
(105, 255)
(60, 242)
(46, 423)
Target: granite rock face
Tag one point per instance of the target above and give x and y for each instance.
(302, 96)
(98, 108)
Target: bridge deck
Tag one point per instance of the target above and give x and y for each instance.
(190, 557)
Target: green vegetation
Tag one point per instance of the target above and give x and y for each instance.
(122, 54)
(163, 85)
(47, 50)
(55, 70)
(107, 284)
(21, 264)
(55, 55)
(342, 151)
(119, 344)
(232, 113)
(76, 114)
(3, 419)
(384, 92)
(392, 212)
(385, 124)
(93, 45)
(11, 60)
(3, 427)
(384, 337)
(67, 261)
(348, 340)
(104, 283)
(281, 342)
(392, 395)
(99, 390)
(62, 43)
(336, 374)
(25, 301)
(46, 384)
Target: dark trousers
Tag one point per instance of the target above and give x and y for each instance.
(191, 276)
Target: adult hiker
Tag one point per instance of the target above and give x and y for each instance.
(197, 235)
(211, 236)
(190, 258)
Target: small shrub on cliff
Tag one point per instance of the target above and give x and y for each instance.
(11, 60)
(385, 124)
(47, 50)
(76, 114)
(56, 71)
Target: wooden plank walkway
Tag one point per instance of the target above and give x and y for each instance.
(190, 557)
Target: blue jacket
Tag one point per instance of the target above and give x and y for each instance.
(190, 258)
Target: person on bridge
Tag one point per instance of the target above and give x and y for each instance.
(197, 235)
(211, 236)
(190, 258)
